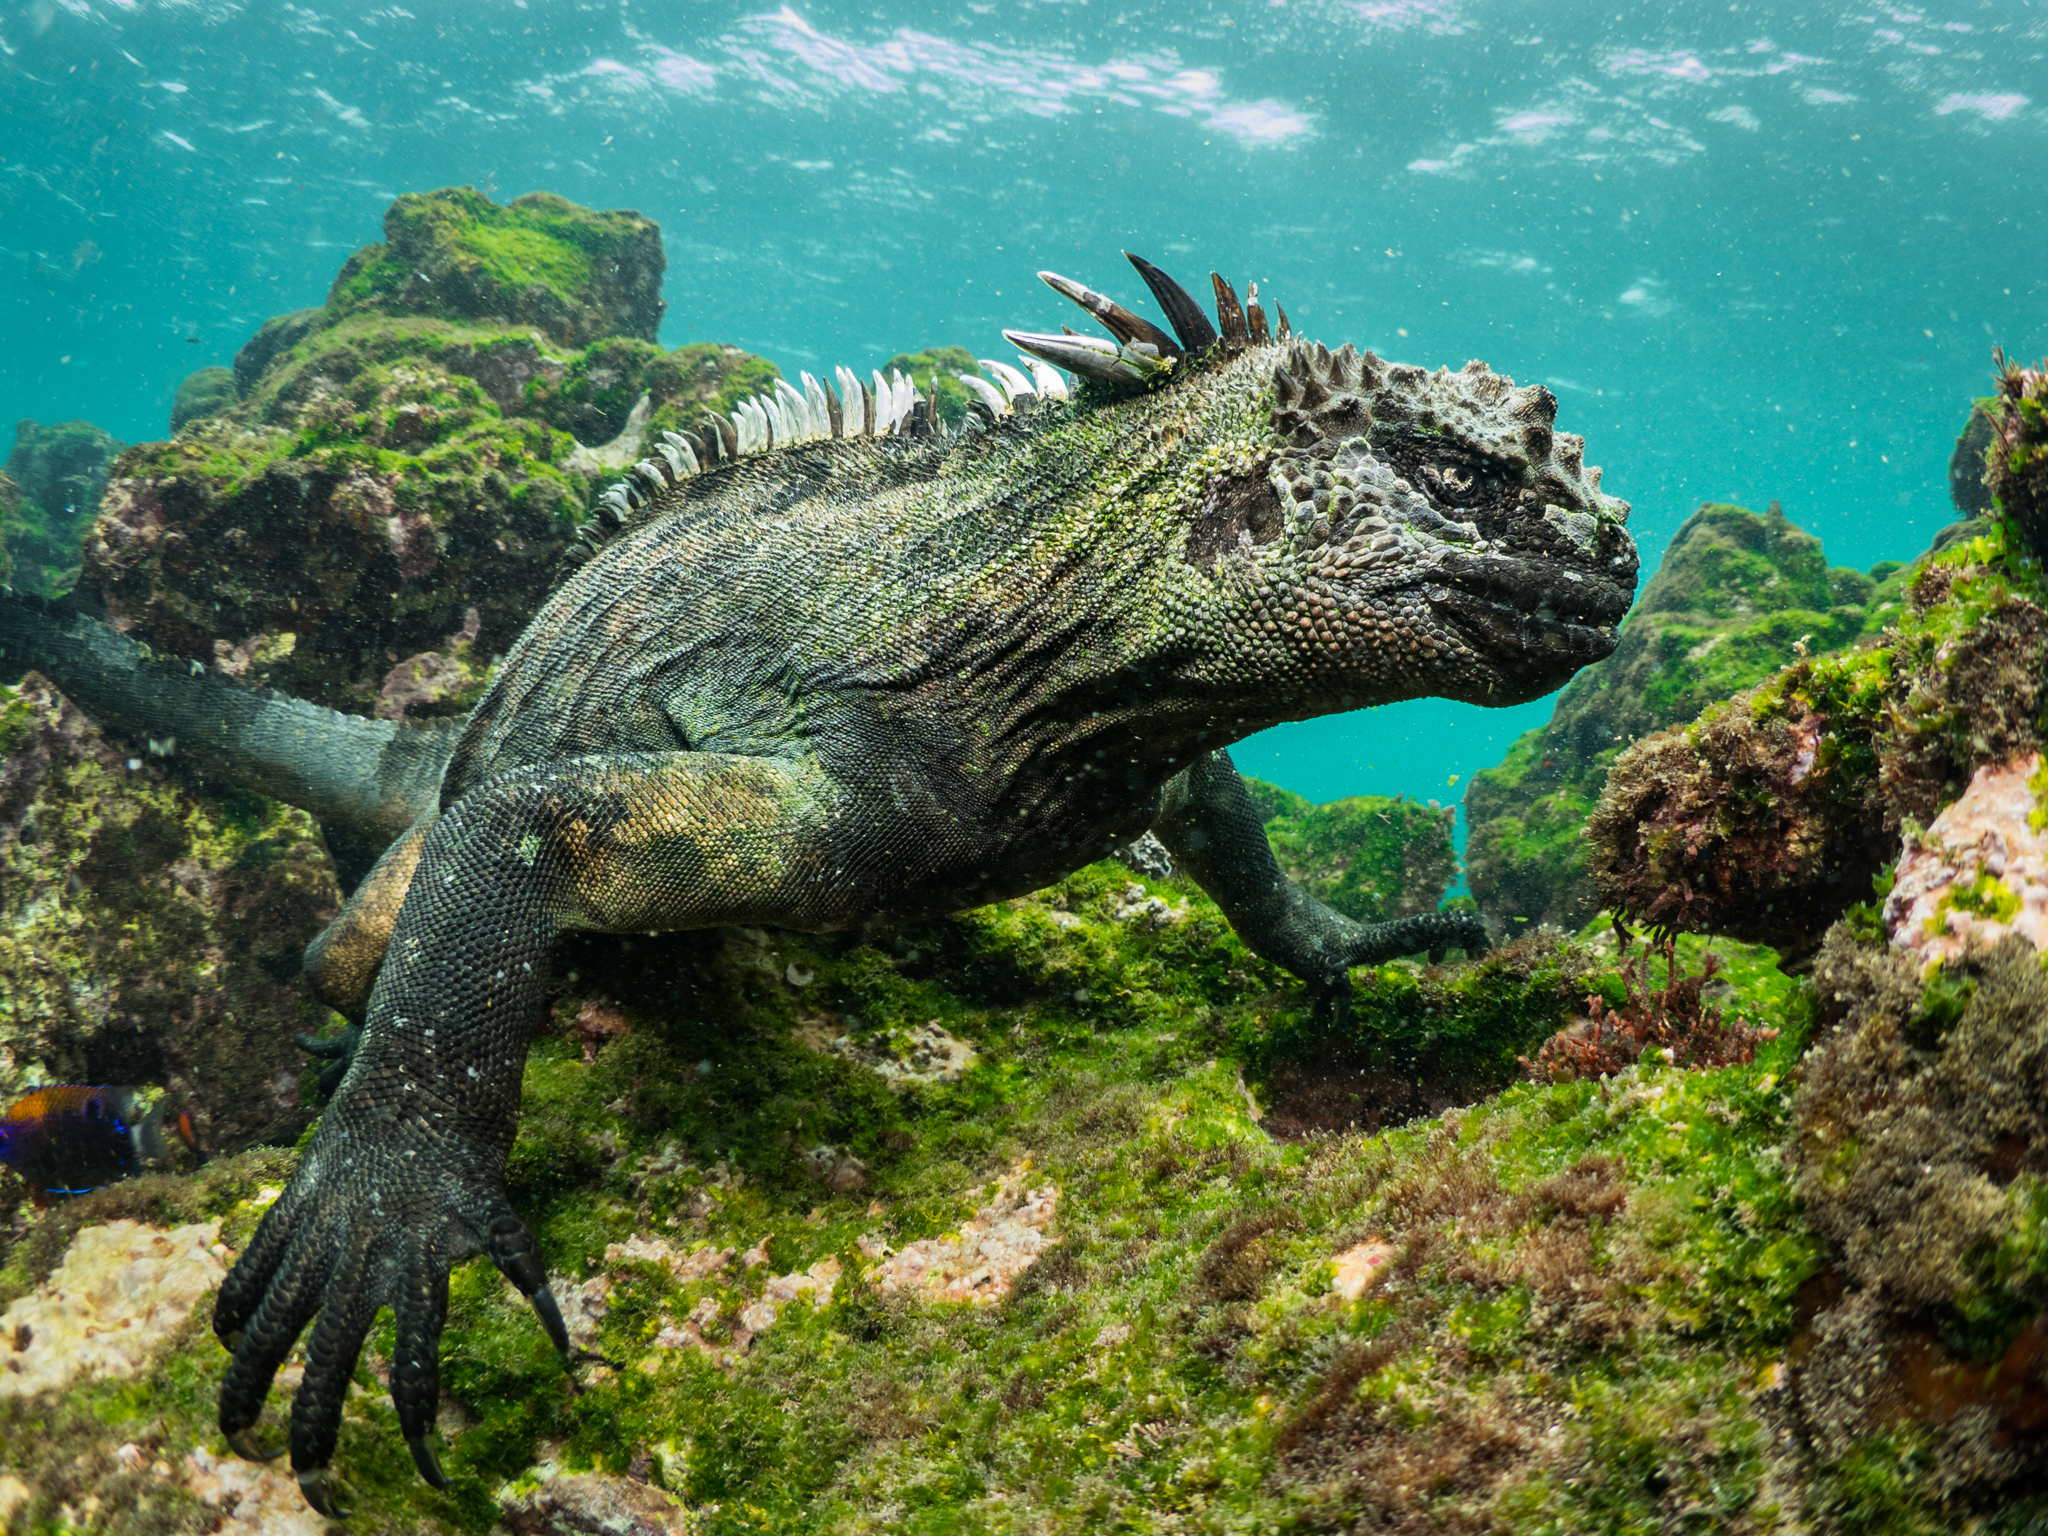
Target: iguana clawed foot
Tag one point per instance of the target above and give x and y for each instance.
(375, 1217)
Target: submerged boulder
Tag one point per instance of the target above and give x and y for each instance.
(574, 274)
(202, 394)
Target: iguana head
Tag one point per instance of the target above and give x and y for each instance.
(1368, 530)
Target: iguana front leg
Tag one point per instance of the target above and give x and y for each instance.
(406, 1174)
(1209, 824)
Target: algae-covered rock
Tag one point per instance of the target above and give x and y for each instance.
(1968, 462)
(1922, 1156)
(58, 472)
(574, 274)
(148, 935)
(275, 336)
(1737, 596)
(2016, 473)
(1368, 856)
(1770, 815)
(373, 517)
(202, 394)
(318, 557)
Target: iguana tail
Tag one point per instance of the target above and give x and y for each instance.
(372, 778)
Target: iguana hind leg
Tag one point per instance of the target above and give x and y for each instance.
(342, 962)
(1209, 824)
(406, 1174)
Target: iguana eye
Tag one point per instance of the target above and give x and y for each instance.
(1450, 485)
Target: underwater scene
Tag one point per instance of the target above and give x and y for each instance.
(1024, 767)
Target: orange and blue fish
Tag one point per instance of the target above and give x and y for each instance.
(70, 1138)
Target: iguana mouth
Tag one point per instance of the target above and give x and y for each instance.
(1501, 601)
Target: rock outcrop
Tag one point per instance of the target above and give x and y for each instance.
(1737, 596)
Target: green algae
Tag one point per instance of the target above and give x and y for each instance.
(1369, 856)
(203, 393)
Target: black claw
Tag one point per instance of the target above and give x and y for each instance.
(319, 1493)
(243, 1443)
(423, 1458)
(550, 1315)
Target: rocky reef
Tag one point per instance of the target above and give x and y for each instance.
(1736, 596)
(367, 510)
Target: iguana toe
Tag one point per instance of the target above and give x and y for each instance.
(244, 1444)
(423, 1458)
(322, 1492)
(337, 1051)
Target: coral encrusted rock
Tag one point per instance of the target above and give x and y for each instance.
(122, 1292)
(1979, 872)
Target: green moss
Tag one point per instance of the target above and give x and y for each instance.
(202, 394)
(1987, 896)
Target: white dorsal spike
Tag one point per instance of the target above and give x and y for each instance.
(780, 428)
(677, 469)
(1013, 382)
(849, 399)
(1046, 377)
(883, 398)
(684, 452)
(814, 400)
(743, 424)
(906, 397)
(796, 416)
(753, 424)
(986, 393)
(653, 475)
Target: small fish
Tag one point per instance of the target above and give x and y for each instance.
(70, 1139)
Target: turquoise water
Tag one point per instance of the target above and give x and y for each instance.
(1759, 252)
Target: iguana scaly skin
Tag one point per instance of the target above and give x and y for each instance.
(859, 680)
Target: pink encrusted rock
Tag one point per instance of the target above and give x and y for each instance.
(123, 1291)
(980, 1262)
(258, 1499)
(1937, 905)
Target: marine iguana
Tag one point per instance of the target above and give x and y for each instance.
(830, 666)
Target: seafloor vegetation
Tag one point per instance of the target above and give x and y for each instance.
(1069, 1214)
